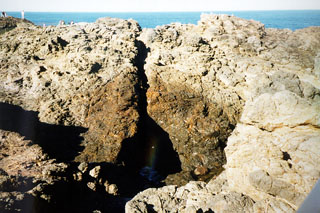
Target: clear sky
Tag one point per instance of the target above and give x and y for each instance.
(154, 5)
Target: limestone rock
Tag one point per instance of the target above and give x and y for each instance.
(228, 72)
(92, 186)
(186, 97)
(83, 167)
(193, 197)
(95, 172)
(75, 75)
(113, 189)
(227, 91)
(199, 196)
(23, 165)
(9, 23)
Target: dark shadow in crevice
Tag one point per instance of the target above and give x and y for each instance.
(59, 142)
(75, 196)
(95, 68)
(286, 156)
(62, 42)
(151, 147)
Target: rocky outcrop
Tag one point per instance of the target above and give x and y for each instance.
(270, 78)
(80, 75)
(9, 23)
(198, 196)
(227, 93)
(188, 97)
(25, 171)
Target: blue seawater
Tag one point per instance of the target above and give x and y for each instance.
(292, 19)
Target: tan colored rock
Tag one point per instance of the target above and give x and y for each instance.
(193, 197)
(224, 82)
(185, 96)
(200, 170)
(22, 157)
(77, 176)
(271, 111)
(75, 75)
(92, 186)
(95, 172)
(113, 189)
(83, 167)
(282, 163)
(265, 81)
(25, 170)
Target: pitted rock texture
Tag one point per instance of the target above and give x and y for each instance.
(227, 91)
(192, 92)
(9, 23)
(75, 75)
(197, 196)
(24, 172)
(270, 78)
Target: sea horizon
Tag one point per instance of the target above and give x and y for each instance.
(291, 19)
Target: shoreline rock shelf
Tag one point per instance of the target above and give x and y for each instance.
(226, 101)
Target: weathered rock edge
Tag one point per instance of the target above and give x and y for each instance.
(211, 70)
(273, 153)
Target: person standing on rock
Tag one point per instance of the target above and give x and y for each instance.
(22, 14)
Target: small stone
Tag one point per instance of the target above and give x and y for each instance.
(83, 167)
(113, 189)
(201, 170)
(95, 172)
(77, 176)
(100, 181)
(45, 197)
(106, 185)
(92, 186)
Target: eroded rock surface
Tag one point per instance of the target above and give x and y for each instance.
(270, 78)
(197, 196)
(25, 171)
(190, 94)
(225, 91)
(79, 75)
(9, 23)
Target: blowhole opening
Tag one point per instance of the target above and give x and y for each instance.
(150, 152)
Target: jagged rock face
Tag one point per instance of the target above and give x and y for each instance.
(198, 196)
(225, 79)
(274, 150)
(195, 84)
(24, 171)
(116, 103)
(271, 78)
(79, 75)
(9, 23)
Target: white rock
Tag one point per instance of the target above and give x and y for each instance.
(95, 172)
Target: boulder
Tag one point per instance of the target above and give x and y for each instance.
(197, 196)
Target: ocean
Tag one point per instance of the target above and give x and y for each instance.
(292, 19)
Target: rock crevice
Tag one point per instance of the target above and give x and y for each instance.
(225, 102)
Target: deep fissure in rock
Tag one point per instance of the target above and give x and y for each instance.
(151, 148)
(149, 152)
(145, 160)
